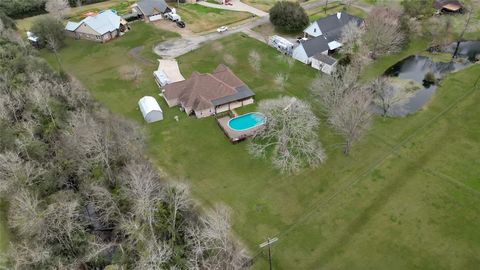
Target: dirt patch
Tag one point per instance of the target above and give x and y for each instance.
(172, 27)
(130, 72)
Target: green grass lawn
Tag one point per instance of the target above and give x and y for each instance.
(332, 8)
(406, 198)
(200, 18)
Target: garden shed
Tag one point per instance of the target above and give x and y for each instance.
(150, 109)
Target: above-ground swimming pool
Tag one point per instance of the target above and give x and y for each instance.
(246, 121)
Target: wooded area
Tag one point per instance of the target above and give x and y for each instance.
(80, 192)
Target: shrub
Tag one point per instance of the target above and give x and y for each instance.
(429, 78)
(288, 17)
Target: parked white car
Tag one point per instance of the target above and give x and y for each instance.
(173, 17)
(222, 29)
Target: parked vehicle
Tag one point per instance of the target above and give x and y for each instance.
(181, 24)
(301, 39)
(173, 17)
(222, 29)
(281, 44)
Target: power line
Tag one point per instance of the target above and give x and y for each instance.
(376, 164)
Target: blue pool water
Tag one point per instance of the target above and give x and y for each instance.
(247, 121)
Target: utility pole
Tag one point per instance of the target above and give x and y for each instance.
(269, 243)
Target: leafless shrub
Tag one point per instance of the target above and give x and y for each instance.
(100, 200)
(254, 59)
(289, 134)
(229, 59)
(280, 80)
(27, 254)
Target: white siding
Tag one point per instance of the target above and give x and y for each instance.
(313, 30)
(300, 54)
(328, 69)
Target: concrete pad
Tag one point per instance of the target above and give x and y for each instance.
(170, 67)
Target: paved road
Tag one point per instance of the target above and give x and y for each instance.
(237, 5)
(176, 47)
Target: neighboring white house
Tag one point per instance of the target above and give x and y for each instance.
(331, 25)
(151, 10)
(324, 37)
(150, 109)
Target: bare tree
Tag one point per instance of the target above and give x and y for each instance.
(143, 187)
(226, 253)
(15, 172)
(289, 135)
(176, 196)
(383, 33)
(27, 254)
(329, 91)
(254, 59)
(53, 44)
(63, 222)
(154, 256)
(460, 37)
(25, 215)
(386, 96)
(352, 117)
(351, 37)
(439, 30)
(100, 201)
(58, 8)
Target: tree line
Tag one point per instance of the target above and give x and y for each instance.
(80, 192)
(26, 8)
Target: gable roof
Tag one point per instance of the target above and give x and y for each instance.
(315, 45)
(325, 58)
(203, 91)
(152, 7)
(104, 22)
(331, 27)
(448, 4)
(336, 22)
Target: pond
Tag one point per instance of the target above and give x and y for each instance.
(414, 68)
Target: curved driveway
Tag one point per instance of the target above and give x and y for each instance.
(176, 47)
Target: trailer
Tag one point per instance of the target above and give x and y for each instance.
(281, 44)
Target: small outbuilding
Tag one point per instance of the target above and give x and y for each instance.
(447, 6)
(150, 109)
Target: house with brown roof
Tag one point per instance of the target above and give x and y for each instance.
(206, 94)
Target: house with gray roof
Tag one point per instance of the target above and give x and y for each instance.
(152, 10)
(324, 37)
(101, 27)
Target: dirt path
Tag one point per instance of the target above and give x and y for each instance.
(135, 53)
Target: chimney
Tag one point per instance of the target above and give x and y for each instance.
(339, 15)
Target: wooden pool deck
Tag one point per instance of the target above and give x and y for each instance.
(233, 135)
